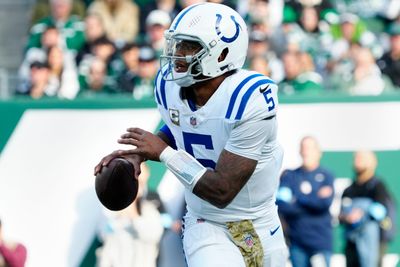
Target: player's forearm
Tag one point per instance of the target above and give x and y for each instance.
(165, 138)
(315, 203)
(221, 186)
(290, 209)
(214, 189)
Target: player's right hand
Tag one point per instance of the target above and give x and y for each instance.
(135, 159)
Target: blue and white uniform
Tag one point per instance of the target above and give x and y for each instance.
(240, 118)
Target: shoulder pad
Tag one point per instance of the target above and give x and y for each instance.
(254, 97)
(160, 88)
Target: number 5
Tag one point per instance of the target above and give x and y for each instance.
(190, 139)
(269, 99)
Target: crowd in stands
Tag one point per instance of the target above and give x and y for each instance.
(85, 48)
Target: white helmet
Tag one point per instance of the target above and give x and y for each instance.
(216, 29)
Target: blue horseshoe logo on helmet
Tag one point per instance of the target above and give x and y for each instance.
(224, 38)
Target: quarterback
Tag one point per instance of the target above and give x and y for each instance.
(219, 139)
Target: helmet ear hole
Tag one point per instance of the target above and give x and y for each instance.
(198, 68)
(223, 54)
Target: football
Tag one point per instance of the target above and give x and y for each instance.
(116, 186)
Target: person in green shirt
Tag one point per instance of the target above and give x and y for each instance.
(147, 70)
(300, 77)
(96, 83)
(71, 28)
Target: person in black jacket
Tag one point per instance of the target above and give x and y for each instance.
(389, 63)
(363, 208)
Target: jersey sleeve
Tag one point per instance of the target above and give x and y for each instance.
(165, 129)
(252, 106)
(157, 88)
(262, 102)
(252, 96)
(248, 138)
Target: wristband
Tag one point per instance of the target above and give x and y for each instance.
(185, 167)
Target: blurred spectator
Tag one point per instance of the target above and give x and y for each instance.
(390, 61)
(259, 11)
(259, 46)
(129, 76)
(131, 236)
(391, 10)
(341, 71)
(105, 50)
(316, 36)
(41, 10)
(269, 13)
(120, 18)
(96, 82)
(362, 210)
(148, 67)
(12, 254)
(367, 77)
(38, 85)
(50, 37)
(156, 23)
(300, 4)
(288, 36)
(63, 72)
(369, 8)
(300, 77)
(94, 30)
(186, 3)
(352, 30)
(348, 31)
(169, 6)
(70, 27)
(304, 197)
(260, 64)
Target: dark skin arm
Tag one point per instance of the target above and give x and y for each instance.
(219, 187)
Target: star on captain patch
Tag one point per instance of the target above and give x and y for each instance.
(174, 116)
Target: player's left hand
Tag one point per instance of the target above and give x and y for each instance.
(147, 144)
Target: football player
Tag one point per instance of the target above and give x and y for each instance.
(219, 139)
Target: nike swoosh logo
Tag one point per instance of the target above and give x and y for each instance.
(272, 232)
(262, 90)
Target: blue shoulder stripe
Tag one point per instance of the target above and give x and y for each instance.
(156, 89)
(162, 89)
(170, 136)
(247, 95)
(236, 93)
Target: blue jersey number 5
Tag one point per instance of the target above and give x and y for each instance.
(190, 139)
(269, 99)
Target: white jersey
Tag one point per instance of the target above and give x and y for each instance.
(230, 120)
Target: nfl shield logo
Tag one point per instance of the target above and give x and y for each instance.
(193, 121)
(248, 239)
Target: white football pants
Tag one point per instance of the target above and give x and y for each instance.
(208, 244)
